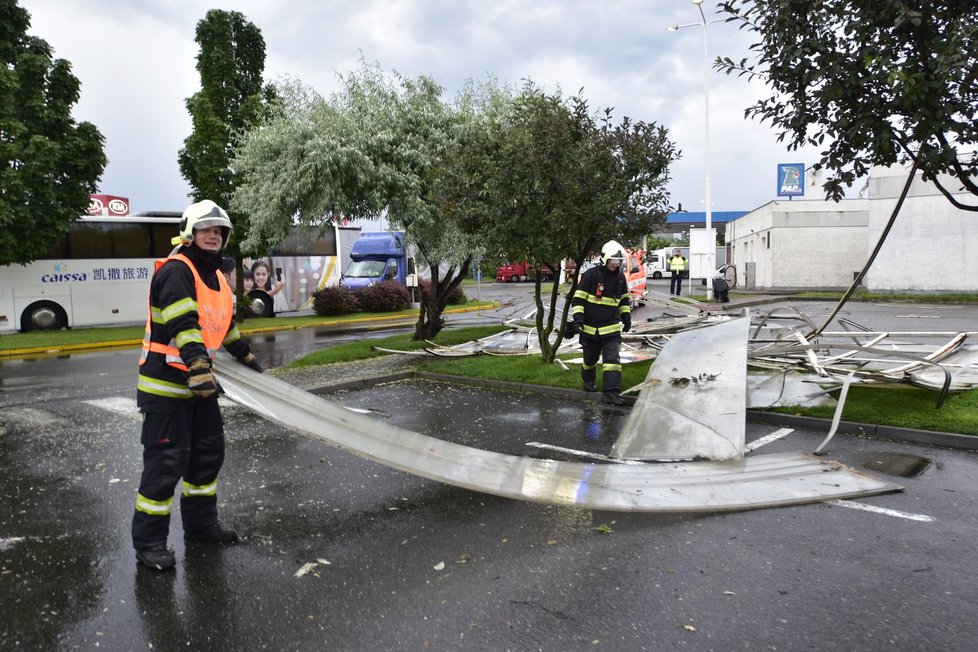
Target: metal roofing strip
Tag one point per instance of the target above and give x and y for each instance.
(759, 481)
(694, 401)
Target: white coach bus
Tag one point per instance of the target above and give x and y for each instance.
(97, 275)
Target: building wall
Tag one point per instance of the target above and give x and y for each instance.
(800, 244)
(932, 245)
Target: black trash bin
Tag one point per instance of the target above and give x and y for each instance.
(721, 290)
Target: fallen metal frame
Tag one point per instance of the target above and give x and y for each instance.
(759, 481)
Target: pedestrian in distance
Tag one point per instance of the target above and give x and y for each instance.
(677, 265)
(601, 311)
(191, 309)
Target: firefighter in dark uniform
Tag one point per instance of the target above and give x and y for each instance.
(601, 310)
(190, 317)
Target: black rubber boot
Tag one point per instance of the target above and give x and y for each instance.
(613, 398)
(214, 534)
(157, 557)
(590, 387)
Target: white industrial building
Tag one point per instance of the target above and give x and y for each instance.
(932, 246)
(813, 243)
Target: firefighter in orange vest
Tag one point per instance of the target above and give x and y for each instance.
(190, 317)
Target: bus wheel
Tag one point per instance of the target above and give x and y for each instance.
(260, 304)
(43, 316)
(514, 279)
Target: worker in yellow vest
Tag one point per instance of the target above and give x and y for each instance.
(677, 265)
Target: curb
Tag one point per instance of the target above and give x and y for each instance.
(865, 430)
(870, 430)
(366, 323)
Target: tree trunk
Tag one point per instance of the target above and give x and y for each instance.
(548, 350)
(434, 300)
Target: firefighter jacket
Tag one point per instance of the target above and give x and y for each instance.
(600, 301)
(190, 317)
(677, 263)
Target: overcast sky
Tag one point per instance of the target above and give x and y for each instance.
(135, 60)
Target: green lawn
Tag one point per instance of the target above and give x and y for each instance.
(906, 407)
(79, 337)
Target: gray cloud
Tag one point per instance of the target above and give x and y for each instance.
(136, 65)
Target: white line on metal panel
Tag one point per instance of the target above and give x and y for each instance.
(767, 439)
(882, 510)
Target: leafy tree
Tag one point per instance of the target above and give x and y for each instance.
(379, 146)
(49, 165)
(232, 99)
(877, 80)
(556, 182)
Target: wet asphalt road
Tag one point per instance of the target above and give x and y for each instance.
(393, 561)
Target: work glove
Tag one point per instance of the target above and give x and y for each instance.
(626, 322)
(200, 380)
(252, 362)
(570, 330)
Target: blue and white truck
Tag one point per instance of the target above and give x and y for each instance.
(377, 257)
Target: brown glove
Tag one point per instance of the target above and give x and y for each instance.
(252, 362)
(201, 381)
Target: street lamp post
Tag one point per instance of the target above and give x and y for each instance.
(711, 253)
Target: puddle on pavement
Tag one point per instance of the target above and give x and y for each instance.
(898, 464)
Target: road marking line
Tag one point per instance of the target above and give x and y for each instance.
(115, 404)
(882, 510)
(767, 439)
(574, 451)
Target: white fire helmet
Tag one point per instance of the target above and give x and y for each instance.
(202, 215)
(612, 251)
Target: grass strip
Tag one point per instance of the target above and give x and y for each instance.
(905, 407)
(115, 334)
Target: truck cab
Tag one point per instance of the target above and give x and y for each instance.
(379, 257)
(521, 271)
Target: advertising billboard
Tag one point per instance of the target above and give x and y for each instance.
(791, 179)
(108, 205)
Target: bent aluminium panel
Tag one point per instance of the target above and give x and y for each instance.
(694, 401)
(760, 481)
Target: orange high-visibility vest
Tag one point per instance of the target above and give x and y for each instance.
(215, 309)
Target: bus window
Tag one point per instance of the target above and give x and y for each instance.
(159, 236)
(107, 240)
(307, 241)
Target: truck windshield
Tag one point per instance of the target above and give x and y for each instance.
(365, 269)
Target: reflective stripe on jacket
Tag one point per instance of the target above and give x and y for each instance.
(214, 313)
(677, 263)
(599, 302)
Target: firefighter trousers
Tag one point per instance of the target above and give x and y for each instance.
(606, 348)
(185, 441)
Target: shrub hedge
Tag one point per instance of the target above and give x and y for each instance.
(333, 301)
